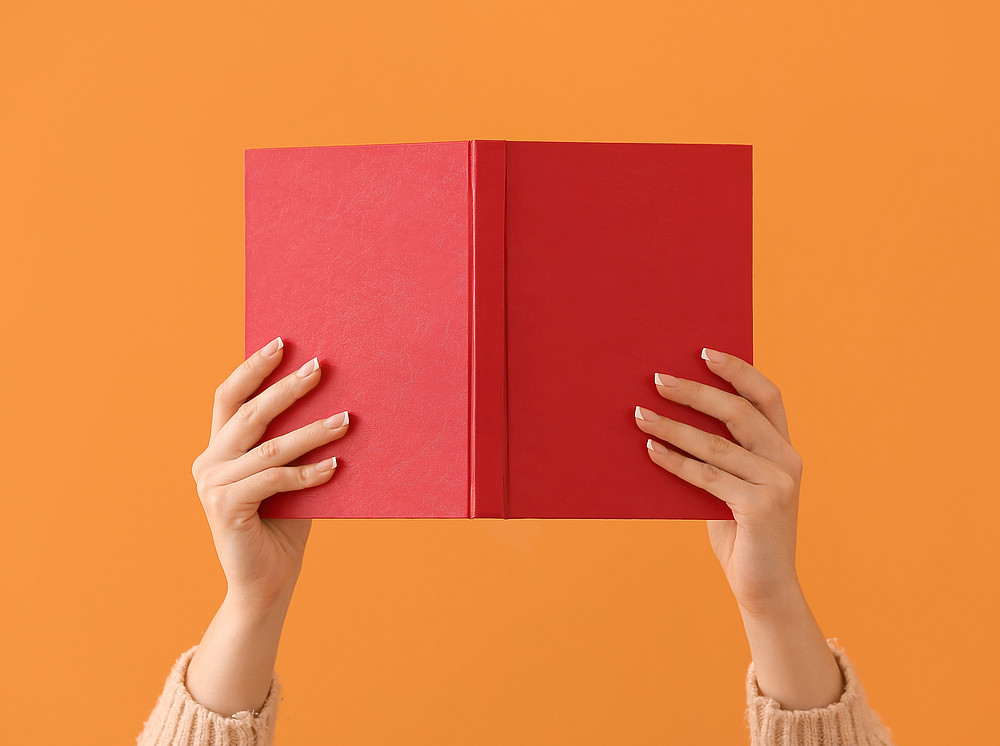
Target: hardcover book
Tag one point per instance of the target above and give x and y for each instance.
(490, 313)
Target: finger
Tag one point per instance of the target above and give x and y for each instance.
(748, 425)
(247, 425)
(242, 382)
(728, 488)
(751, 384)
(710, 448)
(284, 448)
(242, 498)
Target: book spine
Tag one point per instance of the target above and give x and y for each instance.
(487, 330)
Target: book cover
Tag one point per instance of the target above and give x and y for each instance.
(490, 312)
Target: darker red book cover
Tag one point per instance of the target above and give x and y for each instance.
(490, 312)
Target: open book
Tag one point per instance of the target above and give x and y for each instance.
(490, 312)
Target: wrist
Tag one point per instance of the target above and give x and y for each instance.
(251, 604)
(785, 602)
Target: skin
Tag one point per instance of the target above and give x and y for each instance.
(758, 477)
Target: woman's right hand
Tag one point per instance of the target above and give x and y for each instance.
(260, 557)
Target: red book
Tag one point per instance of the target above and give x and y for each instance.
(490, 312)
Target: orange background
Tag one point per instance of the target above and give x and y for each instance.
(876, 167)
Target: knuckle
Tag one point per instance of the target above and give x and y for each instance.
(291, 384)
(216, 501)
(202, 470)
(248, 411)
(744, 408)
(695, 393)
(772, 397)
(785, 484)
(269, 450)
(290, 388)
(306, 474)
(272, 477)
(718, 446)
(710, 473)
(795, 461)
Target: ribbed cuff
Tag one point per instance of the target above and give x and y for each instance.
(847, 722)
(178, 720)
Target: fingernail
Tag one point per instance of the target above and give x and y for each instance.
(326, 465)
(308, 368)
(662, 379)
(337, 420)
(272, 347)
(712, 355)
(645, 414)
(655, 446)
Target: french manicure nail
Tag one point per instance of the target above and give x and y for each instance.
(655, 446)
(337, 420)
(308, 368)
(272, 347)
(662, 379)
(645, 414)
(330, 463)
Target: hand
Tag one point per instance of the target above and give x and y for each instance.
(758, 479)
(260, 557)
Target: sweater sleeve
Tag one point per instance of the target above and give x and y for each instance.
(178, 720)
(847, 722)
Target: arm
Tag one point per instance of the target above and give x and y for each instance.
(758, 477)
(232, 669)
(792, 662)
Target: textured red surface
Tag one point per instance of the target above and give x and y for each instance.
(490, 313)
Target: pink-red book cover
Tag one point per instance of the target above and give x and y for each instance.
(490, 312)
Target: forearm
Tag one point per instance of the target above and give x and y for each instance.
(792, 661)
(231, 670)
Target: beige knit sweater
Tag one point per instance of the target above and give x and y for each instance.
(177, 720)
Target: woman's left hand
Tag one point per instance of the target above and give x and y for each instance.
(758, 477)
